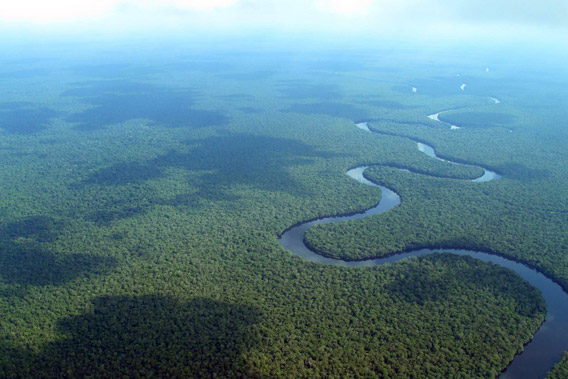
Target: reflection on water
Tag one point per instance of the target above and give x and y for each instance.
(550, 340)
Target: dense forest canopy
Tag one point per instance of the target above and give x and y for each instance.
(142, 197)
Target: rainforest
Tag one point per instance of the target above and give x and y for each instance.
(148, 192)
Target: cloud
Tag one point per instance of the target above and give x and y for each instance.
(345, 7)
(417, 18)
(530, 12)
(53, 11)
(35, 11)
(200, 5)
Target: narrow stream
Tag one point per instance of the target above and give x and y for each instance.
(549, 341)
(429, 151)
(435, 117)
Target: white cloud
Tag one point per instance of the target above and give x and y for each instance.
(345, 7)
(38, 11)
(53, 11)
(368, 18)
(199, 5)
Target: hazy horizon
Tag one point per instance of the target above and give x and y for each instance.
(164, 162)
(335, 21)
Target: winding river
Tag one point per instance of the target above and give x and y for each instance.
(435, 117)
(549, 341)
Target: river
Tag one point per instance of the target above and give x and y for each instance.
(549, 341)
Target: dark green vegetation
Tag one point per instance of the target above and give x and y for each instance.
(116, 101)
(22, 118)
(561, 369)
(523, 215)
(139, 215)
(479, 119)
(305, 321)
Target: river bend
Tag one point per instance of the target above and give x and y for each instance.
(549, 341)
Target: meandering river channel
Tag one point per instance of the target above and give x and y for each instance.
(549, 341)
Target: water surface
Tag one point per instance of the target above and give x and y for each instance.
(548, 343)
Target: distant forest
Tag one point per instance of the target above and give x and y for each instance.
(142, 198)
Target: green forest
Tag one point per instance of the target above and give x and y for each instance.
(142, 199)
(561, 369)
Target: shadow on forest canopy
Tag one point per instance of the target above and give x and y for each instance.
(118, 101)
(302, 90)
(147, 336)
(117, 70)
(423, 284)
(388, 104)
(23, 259)
(125, 173)
(478, 119)
(117, 211)
(23, 118)
(222, 162)
(40, 228)
(331, 109)
(518, 171)
(30, 264)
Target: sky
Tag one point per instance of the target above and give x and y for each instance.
(413, 18)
